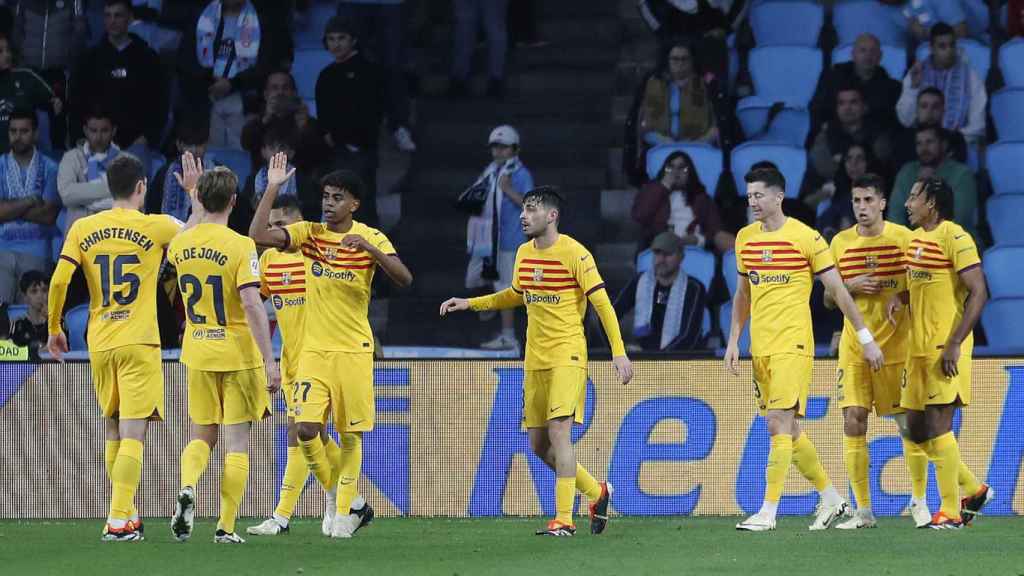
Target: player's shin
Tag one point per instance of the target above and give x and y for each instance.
(232, 488)
(316, 457)
(805, 457)
(945, 454)
(855, 451)
(125, 476)
(194, 459)
(296, 470)
(333, 452)
(587, 484)
(780, 456)
(351, 466)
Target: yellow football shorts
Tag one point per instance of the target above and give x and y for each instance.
(228, 397)
(782, 381)
(129, 382)
(924, 383)
(341, 382)
(554, 393)
(858, 385)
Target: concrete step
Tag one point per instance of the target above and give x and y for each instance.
(616, 205)
(536, 83)
(564, 107)
(577, 28)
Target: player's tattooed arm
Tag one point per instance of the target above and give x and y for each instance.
(260, 230)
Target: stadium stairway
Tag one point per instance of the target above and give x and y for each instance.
(558, 97)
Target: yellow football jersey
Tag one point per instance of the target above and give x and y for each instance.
(882, 257)
(555, 283)
(283, 281)
(338, 282)
(780, 266)
(214, 264)
(120, 252)
(935, 260)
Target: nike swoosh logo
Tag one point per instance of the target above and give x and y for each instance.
(958, 237)
(556, 407)
(354, 422)
(931, 396)
(774, 401)
(584, 257)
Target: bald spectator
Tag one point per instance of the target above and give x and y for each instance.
(864, 70)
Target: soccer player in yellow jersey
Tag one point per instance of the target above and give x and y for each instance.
(777, 259)
(555, 277)
(869, 256)
(946, 291)
(120, 251)
(226, 348)
(335, 370)
(283, 281)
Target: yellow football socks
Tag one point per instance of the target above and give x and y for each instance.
(586, 483)
(855, 450)
(334, 457)
(351, 466)
(125, 476)
(316, 457)
(969, 484)
(805, 457)
(110, 448)
(232, 488)
(194, 459)
(917, 466)
(565, 494)
(779, 458)
(295, 473)
(945, 454)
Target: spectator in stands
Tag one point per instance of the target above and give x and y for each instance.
(704, 25)
(281, 102)
(123, 75)
(923, 15)
(21, 89)
(279, 138)
(852, 126)
(28, 204)
(865, 70)
(677, 201)
(81, 179)
(668, 305)
(676, 105)
(838, 215)
(31, 330)
(1015, 18)
(932, 161)
(165, 194)
(947, 70)
(493, 237)
(470, 17)
(146, 24)
(226, 55)
(931, 109)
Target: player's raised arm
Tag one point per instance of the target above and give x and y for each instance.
(188, 179)
(260, 230)
(837, 292)
(740, 315)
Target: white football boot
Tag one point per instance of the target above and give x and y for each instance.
(862, 518)
(828, 514)
(757, 523)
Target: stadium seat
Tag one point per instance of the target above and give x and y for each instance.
(1001, 264)
(853, 18)
(698, 263)
(16, 311)
(77, 320)
(706, 159)
(794, 23)
(1004, 218)
(1007, 107)
(1011, 63)
(894, 58)
(309, 27)
(791, 161)
(729, 271)
(238, 161)
(1005, 169)
(785, 73)
(979, 56)
(156, 162)
(1001, 319)
(311, 106)
(306, 69)
(790, 126)
(725, 322)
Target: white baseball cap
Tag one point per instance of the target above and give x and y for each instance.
(504, 134)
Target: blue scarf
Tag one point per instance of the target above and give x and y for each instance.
(645, 290)
(98, 161)
(32, 184)
(954, 85)
(261, 186)
(246, 44)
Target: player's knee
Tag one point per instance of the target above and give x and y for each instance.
(540, 446)
(293, 434)
(307, 431)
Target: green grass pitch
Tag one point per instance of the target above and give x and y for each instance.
(993, 546)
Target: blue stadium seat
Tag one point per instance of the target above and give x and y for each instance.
(698, 263)
(77, 320)
(979, 56)
(785, 73)
(725, 321)
(238, 161)
(1007, 107)
(306, 69)
(1005, 169)
(156, 162)
(729, 271)
(309, 27)
(706, 159)
(16, 311)
(1004, 218)
(1011, 62)
(790, 126)
(1001, 319)
(794, 23)
(791, 161)
(311, 106)
(1001, 264)
(894, 58)
(855, 17)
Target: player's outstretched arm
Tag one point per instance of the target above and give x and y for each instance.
(837, 290)
(260, 230)
(974, 279)
(256, 315)
(740, 315)
(610, 323)
(454, 305)
(507, 298)
(57, 342)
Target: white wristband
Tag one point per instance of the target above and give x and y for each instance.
(865, 337)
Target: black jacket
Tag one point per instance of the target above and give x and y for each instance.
(690, 335)
(348, 96)
(128, 83)
(881, 92)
